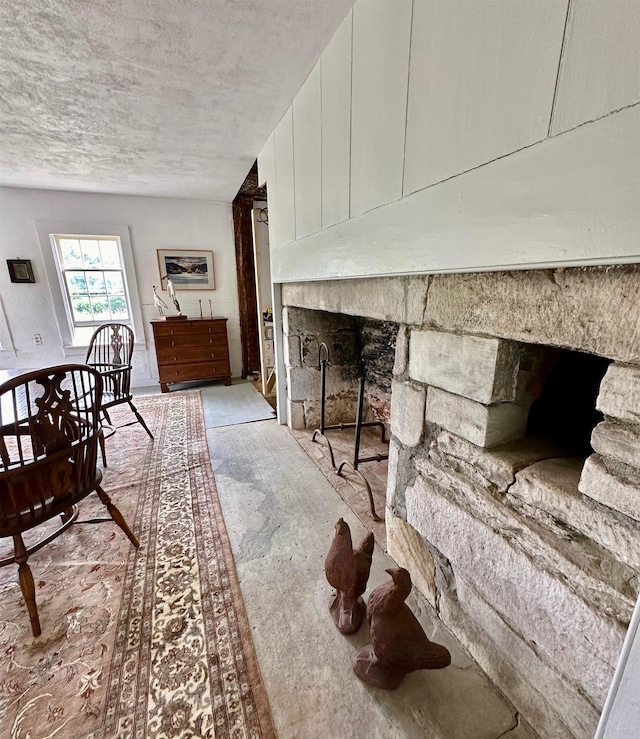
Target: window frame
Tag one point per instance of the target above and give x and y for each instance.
(7, 349)
(76, 324)
(46, 231)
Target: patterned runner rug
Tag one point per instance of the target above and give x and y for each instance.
(153, 643)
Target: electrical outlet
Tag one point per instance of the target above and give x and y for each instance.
(37, 339)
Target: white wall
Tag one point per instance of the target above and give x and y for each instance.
(621, 711)
(461, 128)
(154, 223)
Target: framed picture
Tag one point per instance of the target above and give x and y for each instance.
(189, 269)
(20, 270)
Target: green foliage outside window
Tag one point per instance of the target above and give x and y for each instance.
(94, 278)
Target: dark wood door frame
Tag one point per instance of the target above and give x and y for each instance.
(246, 275)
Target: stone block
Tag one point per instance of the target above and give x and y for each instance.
(619, 395)
(498, 466)
(484, 370)
(392, 474)
(401, 472)
(539, 691)
(306, 321)
(483, 425)
(619, 441)
(303, 383)
(399, 299)
(343, 347)
(592, 572)
(591, 309)
(598, 483)
(407, 548)
(548, 600)
(552, 486)
(295, 415)
(309, 345)
(340, 408)
(292, 355)
(407, 412)
(402, 351)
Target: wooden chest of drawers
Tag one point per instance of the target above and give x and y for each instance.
(191, 349)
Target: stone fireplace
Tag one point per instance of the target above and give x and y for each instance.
(513, 495)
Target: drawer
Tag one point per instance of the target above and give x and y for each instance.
(199, 371)
(188, 328)
(173, 343)
(181, 354)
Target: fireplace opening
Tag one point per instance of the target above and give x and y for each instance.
(565, 412)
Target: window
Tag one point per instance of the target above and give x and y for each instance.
(93, 280)
(106, 254)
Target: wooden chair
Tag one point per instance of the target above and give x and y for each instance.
(110, 352)
(49, 437)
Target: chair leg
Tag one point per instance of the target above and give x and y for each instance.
(140, 419)
(116, 516)
(26, 583)
(103, 448)
(106, 415)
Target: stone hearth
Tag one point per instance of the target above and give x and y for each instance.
(527, 547)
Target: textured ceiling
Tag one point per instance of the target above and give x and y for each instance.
(150, 97)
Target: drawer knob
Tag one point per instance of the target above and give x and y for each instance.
(175, 359)
(214, 370)
(173, 343)
(213, 356)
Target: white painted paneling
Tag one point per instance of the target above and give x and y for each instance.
(621, 713)
(381, 36)
(600, 69)
(307, 156)
(481, 83)
(267, 173)
(285, 224)
(336, 125)
(266, 161)
(569, 200)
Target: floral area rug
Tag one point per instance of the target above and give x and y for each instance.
(148, 643)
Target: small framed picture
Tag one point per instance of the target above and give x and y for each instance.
(188, 269)
(20, 270)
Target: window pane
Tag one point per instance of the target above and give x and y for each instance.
(100, 308)
(76, 282)
(96, 284)
(110, 254)
(81, 309)
(91, 253)
(114, 282)
(119, 307)
(70, 253)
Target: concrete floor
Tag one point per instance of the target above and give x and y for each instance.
(280, 510)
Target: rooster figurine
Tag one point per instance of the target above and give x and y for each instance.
(398, 642)
(347, 570)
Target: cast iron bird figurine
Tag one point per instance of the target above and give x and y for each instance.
(158, 302)
(398, 642)
(347, 570)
